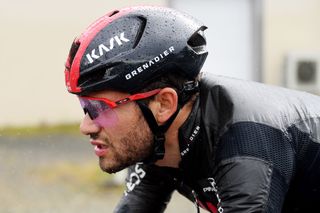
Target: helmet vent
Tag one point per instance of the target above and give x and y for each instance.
(198, 42)
(140, 31)
(113, 13)
(91, 77)
(73, 50)
(98, 74)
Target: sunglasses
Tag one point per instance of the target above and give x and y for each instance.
(96, 107)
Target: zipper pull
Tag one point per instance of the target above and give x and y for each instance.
(196, 201)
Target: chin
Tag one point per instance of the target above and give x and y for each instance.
(111, 168)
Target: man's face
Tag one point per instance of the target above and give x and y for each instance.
(124, 140)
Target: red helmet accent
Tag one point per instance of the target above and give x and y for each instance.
(126, 49)
(72, 70)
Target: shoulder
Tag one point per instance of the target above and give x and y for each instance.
(256, 102)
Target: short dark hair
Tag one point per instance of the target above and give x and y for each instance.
(174, 80)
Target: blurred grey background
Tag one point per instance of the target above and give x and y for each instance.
(275, 42)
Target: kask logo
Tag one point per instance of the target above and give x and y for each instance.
(103, 48)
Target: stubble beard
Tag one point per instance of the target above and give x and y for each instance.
(132, 148)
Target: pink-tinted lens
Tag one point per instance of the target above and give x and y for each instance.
(99, 112)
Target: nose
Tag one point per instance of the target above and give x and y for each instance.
(88, 127)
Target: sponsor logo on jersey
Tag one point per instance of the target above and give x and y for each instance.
(192, 137)
(213, 188)
(135, 178)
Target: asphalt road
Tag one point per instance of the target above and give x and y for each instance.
(59, 174)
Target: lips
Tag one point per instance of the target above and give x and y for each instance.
(99, 148)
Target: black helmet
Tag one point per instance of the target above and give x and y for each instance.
(128, 48)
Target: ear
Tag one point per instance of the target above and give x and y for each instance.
(164, 104)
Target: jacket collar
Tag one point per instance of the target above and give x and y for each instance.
(189, 132)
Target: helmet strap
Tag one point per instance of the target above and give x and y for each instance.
(189, 89)
(158, 132)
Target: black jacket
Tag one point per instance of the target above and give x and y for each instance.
(245, 147)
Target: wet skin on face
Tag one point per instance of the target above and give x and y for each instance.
(127, 141)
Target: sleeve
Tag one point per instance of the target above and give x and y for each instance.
(149, 189)
(244, 185)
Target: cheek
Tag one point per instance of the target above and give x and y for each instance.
(122, 119)
(107, 119)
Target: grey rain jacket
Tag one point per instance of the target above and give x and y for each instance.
(245, 147)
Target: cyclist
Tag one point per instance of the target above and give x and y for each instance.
(228, 145)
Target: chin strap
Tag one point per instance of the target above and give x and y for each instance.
(190, 88)
(158, 132)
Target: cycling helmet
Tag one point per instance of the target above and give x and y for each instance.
(128, 48)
